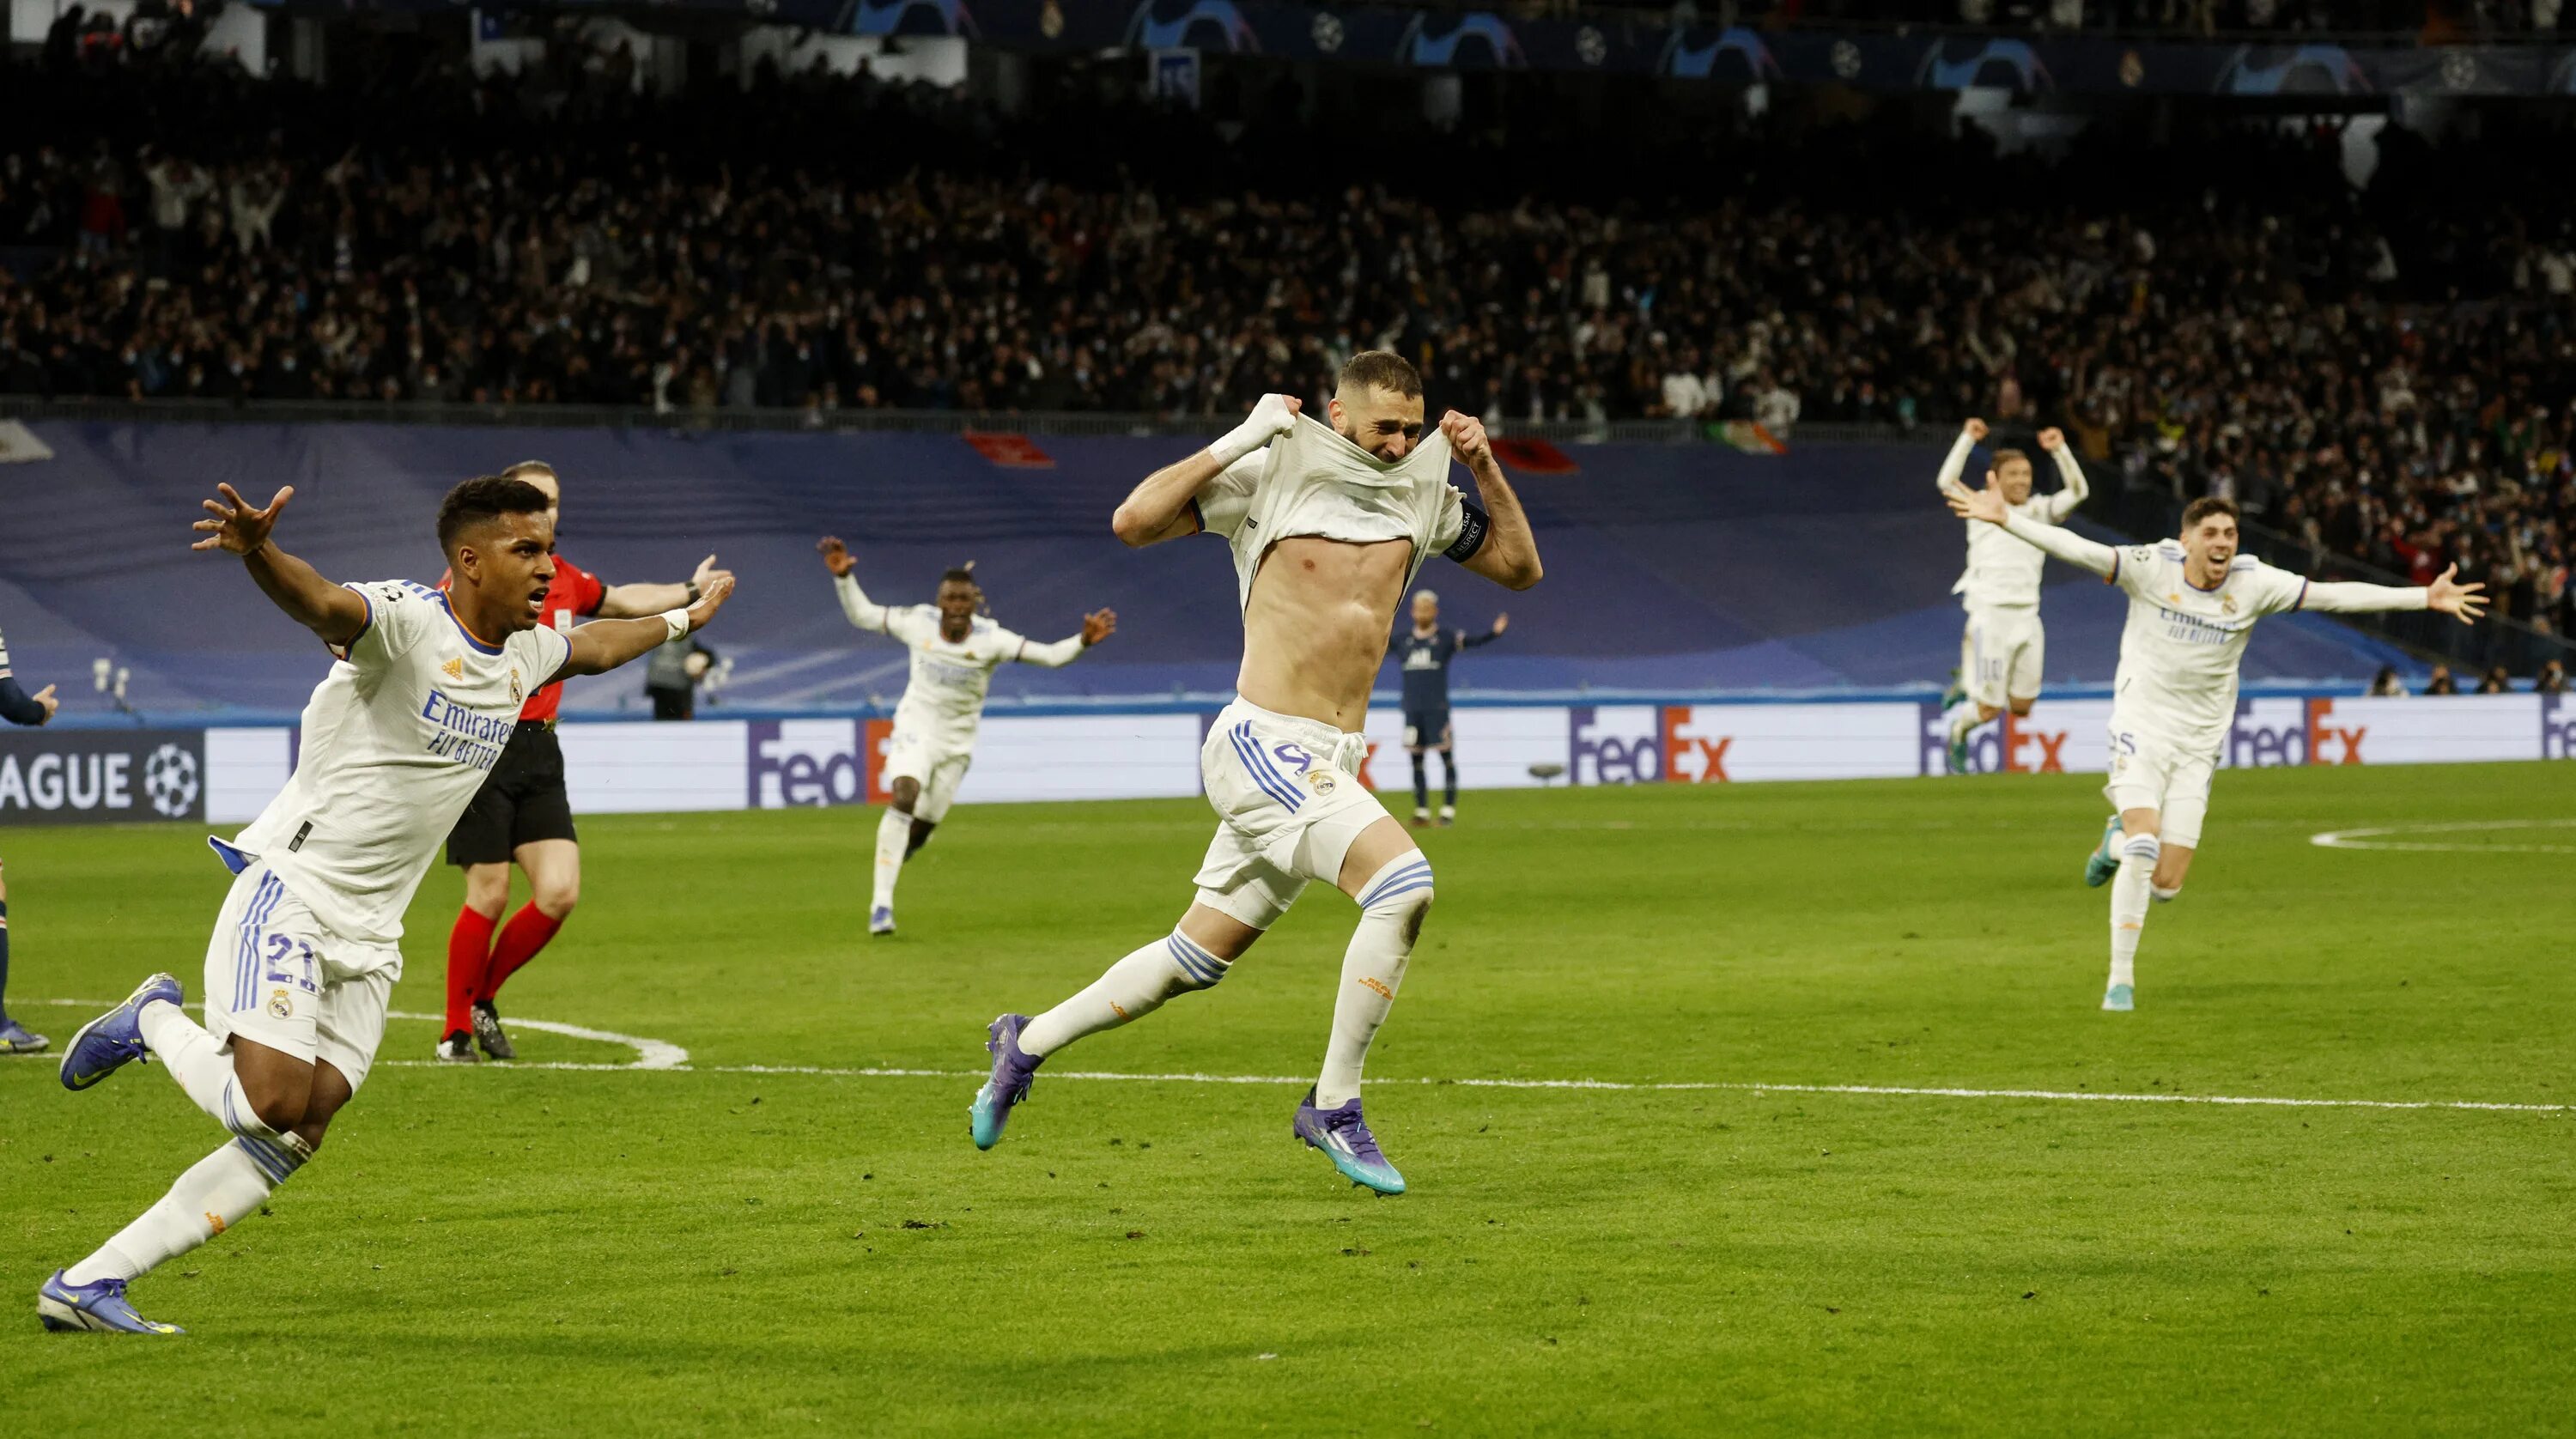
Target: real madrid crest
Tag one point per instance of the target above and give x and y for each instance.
(515, 691)
(281, 1005)
(1322, 780)
(2227, 603)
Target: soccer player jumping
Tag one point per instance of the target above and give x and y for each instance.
(955, 650)
(1328, 527)
(523, 814)
(2001, 652)
(1427, 651)
(2193, 602)
(397, 739)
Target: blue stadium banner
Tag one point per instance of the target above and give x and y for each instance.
(101, 776)
(1448, 39)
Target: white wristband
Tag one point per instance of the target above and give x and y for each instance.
(1236, 443)
(678, 620)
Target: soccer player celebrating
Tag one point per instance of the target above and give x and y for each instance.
(522, 812)
(17, 707)
(955, 649)
(397, 739)
(1427, 650)
(1328, 527)
(2192, 606)
(2001, 652)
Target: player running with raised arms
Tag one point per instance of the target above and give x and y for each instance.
(955, 650)
(2193, 602)
(1329, 527)
(17, 707)
(523, 815)
(397, 739)
(2003, 648)
(1425, 651)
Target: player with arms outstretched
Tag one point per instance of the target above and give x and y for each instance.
(2193, 602)
(523, 815)
(1424, 651)
(1328, 527)
(955, 649)
(397, 739)
(2003, 648)
(17, 707)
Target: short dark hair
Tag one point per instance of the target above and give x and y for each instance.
(525, 468)
(483, 499)
(1381, 370)
(2207, 505)
(959, 575)
(2003, 456)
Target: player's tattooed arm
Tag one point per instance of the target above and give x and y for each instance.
(1509, 554)
(622, 602)
(603, 645)
(1987, 504)
(334, 613)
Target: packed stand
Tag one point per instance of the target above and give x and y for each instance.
(2384, 375)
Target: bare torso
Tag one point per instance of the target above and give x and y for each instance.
(1316, 627)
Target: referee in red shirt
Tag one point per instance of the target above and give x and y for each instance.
(522, 814)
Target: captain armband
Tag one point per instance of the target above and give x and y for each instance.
(1473, 526)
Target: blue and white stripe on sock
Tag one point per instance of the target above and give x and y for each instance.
(1402, 878)
(1203, 970)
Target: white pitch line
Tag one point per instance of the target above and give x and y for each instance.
(2373, 837)
(661, 1057)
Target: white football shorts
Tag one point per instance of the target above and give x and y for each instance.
(276, 976)
(2151, 773)
(2001, 654)
(1289, 801)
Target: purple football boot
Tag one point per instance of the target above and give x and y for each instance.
(1013, 1071)
(99, 1307)
(1345, 1139)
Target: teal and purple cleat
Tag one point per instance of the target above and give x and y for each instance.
(1014, 1070)
(115, 1039)
(16, 1039)
(1345, 1139)
(98, 1308)
(2120, 998)
(2103, 862)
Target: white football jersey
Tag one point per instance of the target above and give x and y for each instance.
(1312, 481)
(949, 678)
(397, 739)
(2002, 571)
(2180, 651)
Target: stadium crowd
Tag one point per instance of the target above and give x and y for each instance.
(2385, 374)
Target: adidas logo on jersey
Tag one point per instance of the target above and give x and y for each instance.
(454, 669)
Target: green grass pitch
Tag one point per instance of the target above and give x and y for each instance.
(495, 1251)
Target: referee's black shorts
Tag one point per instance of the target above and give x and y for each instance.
(522, 800)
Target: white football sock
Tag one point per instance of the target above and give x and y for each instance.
(894, 837)
(2129, 889)
(192, 1056)
(1136, 985)
(1392, 906)
(218, 1192)
(1963, 718)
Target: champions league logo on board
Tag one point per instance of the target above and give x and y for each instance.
(1736, 54)
(170, 781)
(1192, 24)
(2002, 64)
(1477, 40)
(2303, 70)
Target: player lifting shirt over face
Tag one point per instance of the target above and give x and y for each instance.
(1328, 527)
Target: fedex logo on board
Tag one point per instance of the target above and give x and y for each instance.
(2272, 732)
(2013, 744)
(2557, 728)
(1647, 744)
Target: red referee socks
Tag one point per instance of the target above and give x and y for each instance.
(525, 934)
(469, 950)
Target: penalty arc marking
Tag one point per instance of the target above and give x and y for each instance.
(661, 1056)
(2396, 837)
